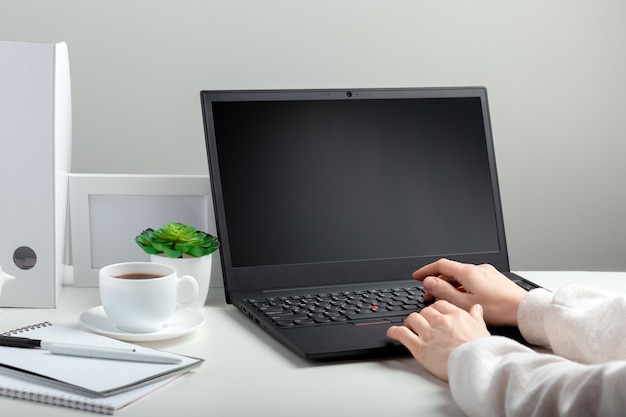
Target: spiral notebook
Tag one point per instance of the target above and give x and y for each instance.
(98, 385)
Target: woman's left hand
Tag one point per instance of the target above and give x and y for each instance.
(433, 333)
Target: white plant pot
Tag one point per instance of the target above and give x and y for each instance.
(199, 268)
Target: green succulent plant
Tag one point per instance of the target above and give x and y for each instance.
(175, 239)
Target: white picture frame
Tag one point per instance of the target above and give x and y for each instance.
(107, 211)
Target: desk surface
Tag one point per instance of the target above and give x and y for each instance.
(248, 373)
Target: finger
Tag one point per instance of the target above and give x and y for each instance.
(406, 337)
(400, 334)
(431, 316)
(444, 307)
(451, 280)
(477, 313)
(443, 290)
(436, 311)
(443, 266)
(416, 323)
(428, 297)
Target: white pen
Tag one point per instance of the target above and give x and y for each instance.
(107, 353)
(129, 354)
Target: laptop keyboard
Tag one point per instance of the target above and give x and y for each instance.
(392, 305)
(388, 305)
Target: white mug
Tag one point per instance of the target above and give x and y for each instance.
(140, 297)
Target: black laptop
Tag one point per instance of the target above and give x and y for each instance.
(327, 200)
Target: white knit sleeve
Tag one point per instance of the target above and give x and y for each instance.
(579, 323)
(496, 376)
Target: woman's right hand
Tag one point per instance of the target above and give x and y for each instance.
(465, 285)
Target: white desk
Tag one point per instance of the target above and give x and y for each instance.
(247, 373)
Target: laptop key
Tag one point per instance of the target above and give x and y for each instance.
(339, 318)
(322, 319)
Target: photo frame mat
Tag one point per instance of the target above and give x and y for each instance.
(107, 211)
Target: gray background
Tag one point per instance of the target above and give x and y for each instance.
(554, 71)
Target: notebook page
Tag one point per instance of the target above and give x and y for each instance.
(97, 376)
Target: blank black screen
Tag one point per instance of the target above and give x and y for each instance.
(339, 180)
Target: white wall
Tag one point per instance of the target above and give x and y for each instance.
(555, 71)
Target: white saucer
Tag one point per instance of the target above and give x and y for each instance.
(184, 321)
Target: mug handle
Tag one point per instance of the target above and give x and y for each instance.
(195, 289)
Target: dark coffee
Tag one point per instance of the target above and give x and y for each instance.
(138, 275)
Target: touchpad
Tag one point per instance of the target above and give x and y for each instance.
(377, 330)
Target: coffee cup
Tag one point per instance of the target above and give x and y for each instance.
(140, 297)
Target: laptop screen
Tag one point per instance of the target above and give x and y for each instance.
(306, 180)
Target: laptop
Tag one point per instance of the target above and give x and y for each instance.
(327, 200)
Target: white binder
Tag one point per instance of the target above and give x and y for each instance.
(35, 158)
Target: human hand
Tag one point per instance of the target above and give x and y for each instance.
(433, 333)
(465, 285)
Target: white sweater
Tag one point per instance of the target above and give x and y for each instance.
(584, 376)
